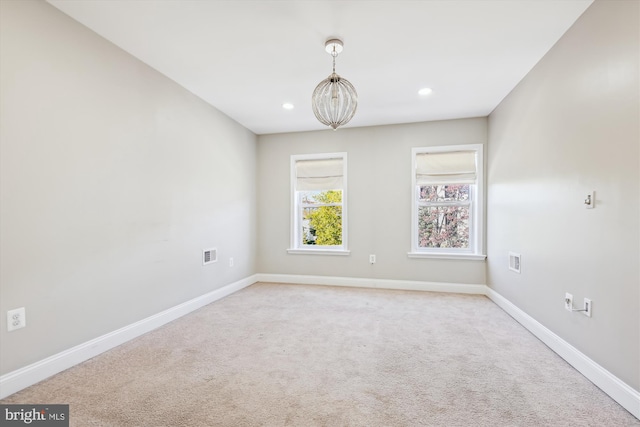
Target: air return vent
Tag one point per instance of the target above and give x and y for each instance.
(209, 256)
(514, 262)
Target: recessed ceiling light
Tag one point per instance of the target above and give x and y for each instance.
(287, 106)
(425, 91)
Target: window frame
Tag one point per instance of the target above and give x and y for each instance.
(296, 209)
(476, 210)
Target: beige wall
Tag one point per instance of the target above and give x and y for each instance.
(572, 126)
(379, 201)
(113, 179)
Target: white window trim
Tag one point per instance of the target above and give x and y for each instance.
(476, 239)
(318, 251)
(296, 249)
(444, 255)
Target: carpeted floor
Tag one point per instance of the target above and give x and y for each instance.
(294, 355)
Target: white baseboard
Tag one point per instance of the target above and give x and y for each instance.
(22, 378)
(407, 285)
(36, 372)
(619, 391)
(17, 380)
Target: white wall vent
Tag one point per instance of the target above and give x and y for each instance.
(514, 262)
(209, 256)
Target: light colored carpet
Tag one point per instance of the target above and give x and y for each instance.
(294, 355)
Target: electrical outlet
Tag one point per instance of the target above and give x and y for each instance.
(16, 319)
(568, 301)
(372, 259)
(587, 307)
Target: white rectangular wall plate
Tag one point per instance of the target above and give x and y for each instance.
(590, 200)
(587, 307)
(16, 319)
(514, 262)
(568, 301)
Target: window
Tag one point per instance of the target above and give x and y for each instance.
(319, 204)
(447, 206)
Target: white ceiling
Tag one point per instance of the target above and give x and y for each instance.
(247, 58)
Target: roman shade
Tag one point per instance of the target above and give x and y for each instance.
(454, 167)
(319, 174)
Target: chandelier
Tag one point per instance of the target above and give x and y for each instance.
(334, 100)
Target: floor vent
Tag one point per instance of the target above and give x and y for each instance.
(209, 256)
(514, 262)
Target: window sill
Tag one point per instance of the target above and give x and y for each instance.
(318, 252)
(472, 257)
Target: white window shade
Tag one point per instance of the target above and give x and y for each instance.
(458, 167)
(320, 174)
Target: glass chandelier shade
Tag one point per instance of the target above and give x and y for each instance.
(334, 100)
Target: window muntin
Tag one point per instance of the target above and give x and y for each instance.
(447, 200)
(318, 203)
